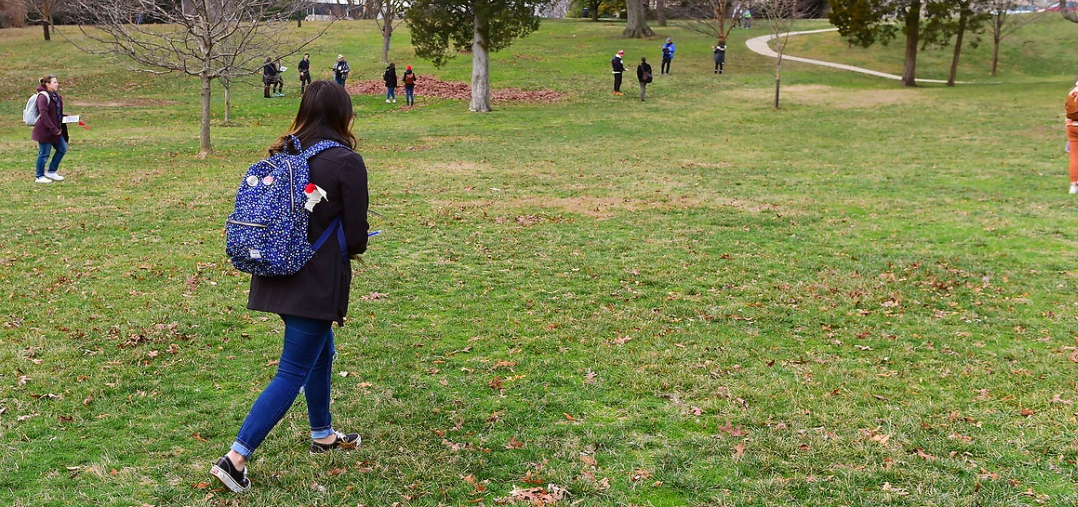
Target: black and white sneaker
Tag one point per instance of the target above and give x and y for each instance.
(344, 441)
(235, 480)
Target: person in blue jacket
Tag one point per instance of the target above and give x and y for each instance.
(668, 56)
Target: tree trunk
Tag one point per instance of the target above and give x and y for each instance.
(778, 78)
(45, 28)
(387, 34)
(299, 22)
(205, 149)
(228, 99)
(480, 67)
(995, 53)
(963, 18)
(595, 10)
(637, 25)
(660, 12)
(913, 32)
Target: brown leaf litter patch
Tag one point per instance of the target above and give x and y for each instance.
(429, 86)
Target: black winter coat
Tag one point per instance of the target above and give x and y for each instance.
(321, 289)
(641, 69)
(390, 77)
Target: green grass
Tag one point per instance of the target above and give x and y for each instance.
(865, 298)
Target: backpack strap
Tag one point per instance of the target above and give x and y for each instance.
(335, 225)
(320, 146)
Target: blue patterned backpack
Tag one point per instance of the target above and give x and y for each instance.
(266, 234)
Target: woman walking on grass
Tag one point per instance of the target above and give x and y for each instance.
(312, 299)
(49, 130)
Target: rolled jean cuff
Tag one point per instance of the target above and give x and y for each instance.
(317, 434)
(242, 449)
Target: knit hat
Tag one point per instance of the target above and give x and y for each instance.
(407, 67)
(668, 39)
(620, 53)
(339, 57)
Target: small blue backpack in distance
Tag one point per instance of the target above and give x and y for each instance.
(266, 234)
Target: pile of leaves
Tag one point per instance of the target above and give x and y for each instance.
(430, 86)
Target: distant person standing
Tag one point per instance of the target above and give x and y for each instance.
(409, 86)
(619, 67)
(304, 72)
(390, 78)
(49, 130)
(644, 76)
(340, 70)
(1072, 136)
(747, 21)
(720, 56)
(668, 56)
(271, 73)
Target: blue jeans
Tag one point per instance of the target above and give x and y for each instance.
(409, 94)
(339, 80)
(43, 150)
(391, 93)
(306, 360)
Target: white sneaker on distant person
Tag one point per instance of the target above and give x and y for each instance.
(1074, 188)
(54, 176)
(42, 179)
(387, 101)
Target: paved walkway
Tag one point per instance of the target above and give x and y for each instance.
(759, 45)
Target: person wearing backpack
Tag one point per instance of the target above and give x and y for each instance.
(1072, 135)
(643, 74)
(49, 130)
(316, 296)
(409, 86)
(390, 78)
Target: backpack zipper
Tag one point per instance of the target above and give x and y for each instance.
(249, 224)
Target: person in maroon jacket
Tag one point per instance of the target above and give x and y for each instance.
(49, 130)
(310, 301)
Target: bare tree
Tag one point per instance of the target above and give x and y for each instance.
(44, 9)
(387, 19)
(637, 25)
(780, 15)
(1005, 21)
(660, 12)
(210, 39)
(716, 18)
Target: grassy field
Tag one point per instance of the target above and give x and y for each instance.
(865, 298)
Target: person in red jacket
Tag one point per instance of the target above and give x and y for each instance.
(49, 130)
(316, 296)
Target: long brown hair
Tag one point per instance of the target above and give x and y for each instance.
(325, 112)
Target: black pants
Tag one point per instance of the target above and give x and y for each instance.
(718, 66)
(665, 67)
(304, 80)
(617, 82)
